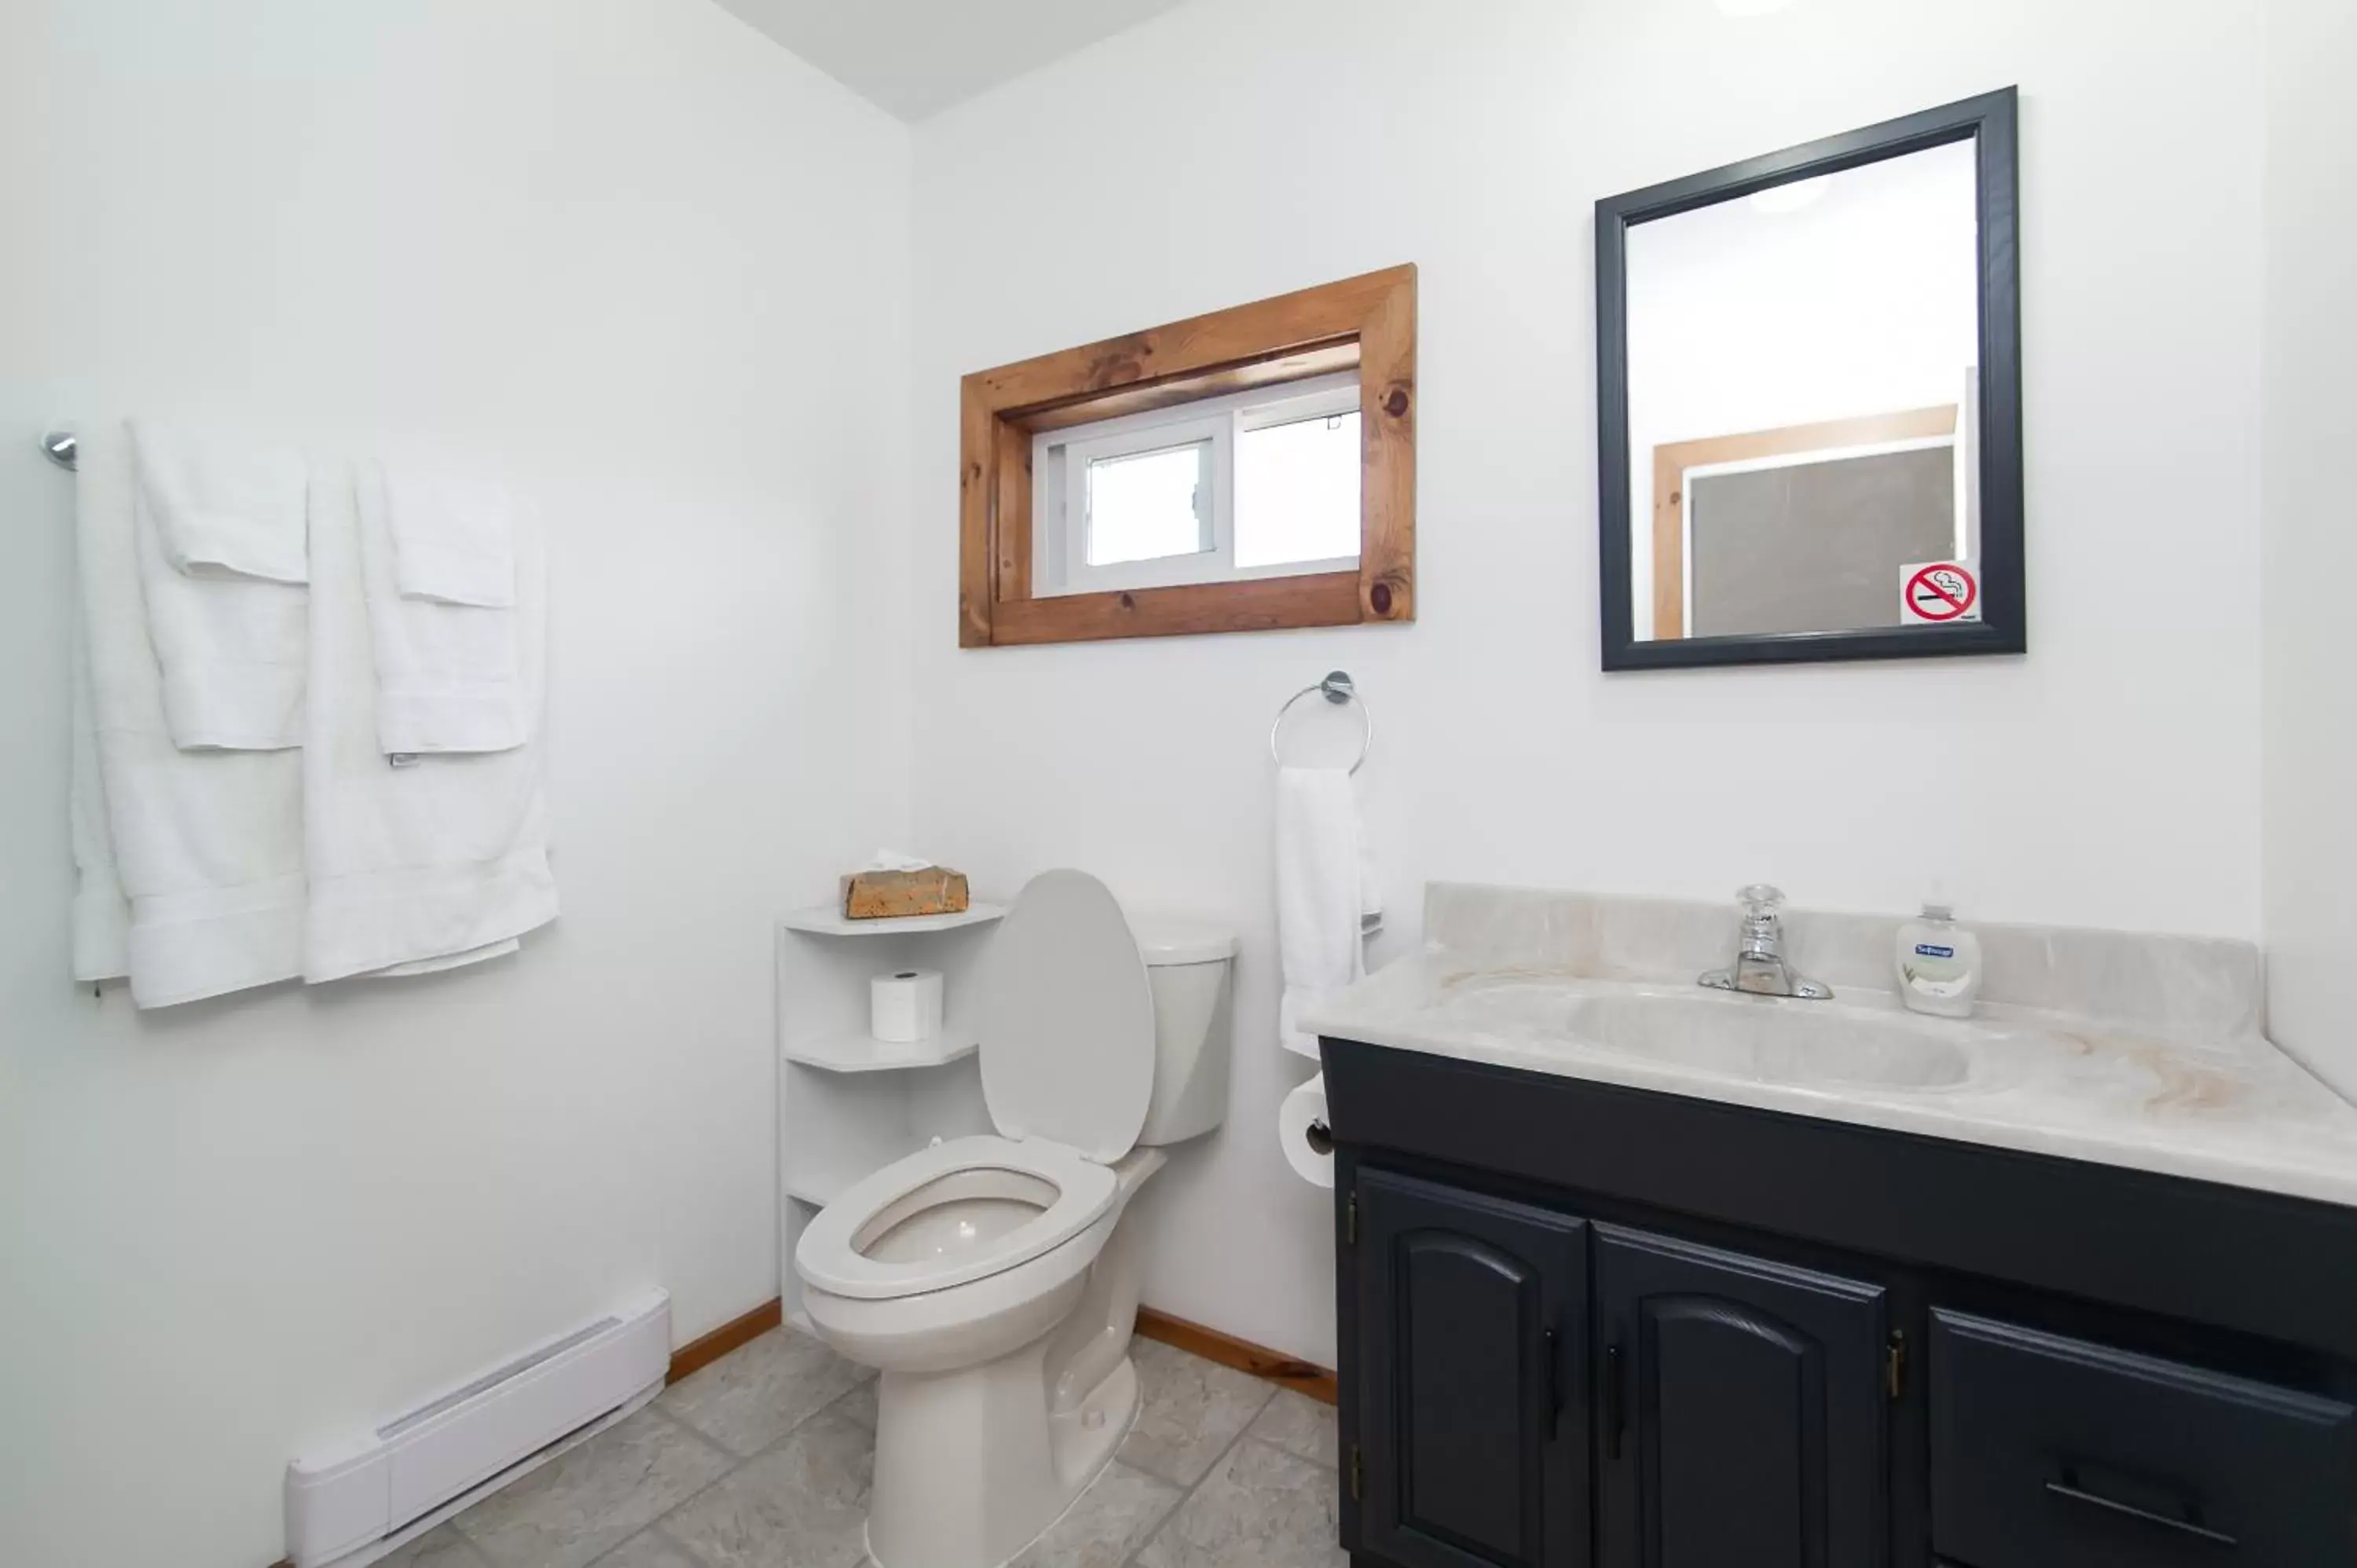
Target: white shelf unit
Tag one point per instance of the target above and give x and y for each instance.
(848, 1105)
(862, 1052)
(827, 921)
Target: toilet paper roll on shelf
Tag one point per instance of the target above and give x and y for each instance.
(905, 1007)
(1306, 1135)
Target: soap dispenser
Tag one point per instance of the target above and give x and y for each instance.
(1939, 963)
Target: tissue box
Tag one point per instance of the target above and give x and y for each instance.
(896, 895)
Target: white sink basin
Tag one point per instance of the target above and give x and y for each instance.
(1762, 1039)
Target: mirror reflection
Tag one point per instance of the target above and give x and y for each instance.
(1804, 367)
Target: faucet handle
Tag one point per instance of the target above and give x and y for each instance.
(1759, 900)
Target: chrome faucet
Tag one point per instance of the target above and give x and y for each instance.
(1759, 968)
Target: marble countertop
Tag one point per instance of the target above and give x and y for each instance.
(2233, 1110)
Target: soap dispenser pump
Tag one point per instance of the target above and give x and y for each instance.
(1939, 961)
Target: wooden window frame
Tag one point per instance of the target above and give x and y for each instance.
(1365, 323)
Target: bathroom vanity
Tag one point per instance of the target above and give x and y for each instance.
(1635, 1274)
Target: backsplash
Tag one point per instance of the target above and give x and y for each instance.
(2188, 988)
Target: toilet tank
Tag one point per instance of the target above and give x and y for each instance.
(1190, 966)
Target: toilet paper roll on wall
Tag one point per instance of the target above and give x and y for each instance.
(1295, 1115)
(905, 1007)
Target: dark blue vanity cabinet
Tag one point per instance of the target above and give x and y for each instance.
(1743, 1409)
(1583, 1325)
(1478, 1307)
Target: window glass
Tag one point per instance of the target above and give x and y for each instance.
(1148, 505)
(1297, 492)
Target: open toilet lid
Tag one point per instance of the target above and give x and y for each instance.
(1067, 1020)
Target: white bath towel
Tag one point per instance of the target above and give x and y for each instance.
(448, 676)
(443, 859)
(223, 507)
(208, 844)
(1322, 893)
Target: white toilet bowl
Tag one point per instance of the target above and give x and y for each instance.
(1008, 1390)
(988, 1278)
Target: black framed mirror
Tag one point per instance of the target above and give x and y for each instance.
(1809, 402)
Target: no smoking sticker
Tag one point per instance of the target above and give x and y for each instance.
(1932, 593)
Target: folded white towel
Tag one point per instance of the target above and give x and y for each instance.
(447, 675)
(440, 862)
(230, 647)
(208, 844)
(447, 961)
(223, 508)
(453, 539)
(1321, 892)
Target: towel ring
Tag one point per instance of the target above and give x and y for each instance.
(1337, 688)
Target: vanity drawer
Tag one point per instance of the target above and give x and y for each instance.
(2054, 1452)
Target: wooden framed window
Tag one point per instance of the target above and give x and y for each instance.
(1112, 490)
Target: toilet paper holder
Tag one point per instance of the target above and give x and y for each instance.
(1319, 1137)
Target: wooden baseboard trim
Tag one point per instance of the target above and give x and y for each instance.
(1209, 1343)
(1305, 1376)
(706, 1349)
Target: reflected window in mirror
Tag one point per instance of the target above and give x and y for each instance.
(1803, 362)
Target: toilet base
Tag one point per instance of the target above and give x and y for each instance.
(963, 1481)
(974, 1459)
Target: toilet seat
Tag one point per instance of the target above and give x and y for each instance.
(829, 1254)
(1067, 1020)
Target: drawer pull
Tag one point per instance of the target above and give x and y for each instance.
(2186, 1527)
(1554, 1354)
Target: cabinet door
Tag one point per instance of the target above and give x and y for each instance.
(1741, 1411)
(1473, 1415)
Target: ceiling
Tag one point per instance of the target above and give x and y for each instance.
(915, 56)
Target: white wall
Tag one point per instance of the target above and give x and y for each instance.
(2311, 535)
(1236, 149)
(656, 270)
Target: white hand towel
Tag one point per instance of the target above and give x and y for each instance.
(1320, 897)
(453, 539)
(440, 862)
(230, 649)
(447, 675)
(208, 844)
(223, 508)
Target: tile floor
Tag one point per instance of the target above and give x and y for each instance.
(763, 1459)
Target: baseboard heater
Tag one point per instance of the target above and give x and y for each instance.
(354, 1502)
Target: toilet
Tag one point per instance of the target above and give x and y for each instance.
(989, 1278)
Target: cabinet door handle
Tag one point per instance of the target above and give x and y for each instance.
(2185, 1527)
(1549, 1348)
(1614, 1416)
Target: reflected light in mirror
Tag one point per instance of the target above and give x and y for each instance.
(1790, 198)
